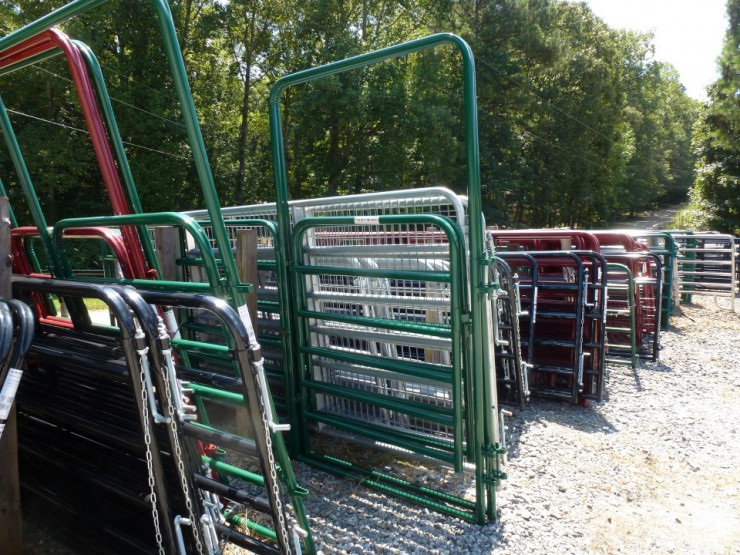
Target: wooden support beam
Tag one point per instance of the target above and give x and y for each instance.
(246, 263)
(167, 244)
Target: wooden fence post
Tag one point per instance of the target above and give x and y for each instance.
(246, 263)
(166, 242)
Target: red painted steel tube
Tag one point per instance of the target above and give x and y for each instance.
(113, 239)
(54, 38)
(581, 240)
(613, 238)
(22, 265)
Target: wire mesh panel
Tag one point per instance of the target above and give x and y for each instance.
(383, 359)
(272, 302)
(377, 343)
(427, 200)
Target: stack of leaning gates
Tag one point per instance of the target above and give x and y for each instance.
(377, 328)
(583, 298)
(110, 428)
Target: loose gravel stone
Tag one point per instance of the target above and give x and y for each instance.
(654, 468)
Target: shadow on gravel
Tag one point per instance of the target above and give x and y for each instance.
(545, 412)
(371, 523)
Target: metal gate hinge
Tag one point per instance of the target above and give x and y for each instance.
(495, 476)
(493, 450)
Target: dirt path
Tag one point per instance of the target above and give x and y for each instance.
(662, 219)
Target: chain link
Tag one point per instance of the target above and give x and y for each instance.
(150, 461)
(258, 373)
(177, 451)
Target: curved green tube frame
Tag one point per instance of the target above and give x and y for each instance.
(215, 282)
(615, 267)
(479, 348)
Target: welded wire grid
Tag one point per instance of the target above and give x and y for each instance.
(405, 248)
(430, 200)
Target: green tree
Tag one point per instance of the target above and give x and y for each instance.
(716, 194)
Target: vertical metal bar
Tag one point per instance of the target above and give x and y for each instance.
(114, 134)
(479, 349)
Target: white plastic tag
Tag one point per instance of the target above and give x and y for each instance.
(7, 395)
(247, 321)
(367, 220)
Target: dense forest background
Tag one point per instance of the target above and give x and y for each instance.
(579, 124)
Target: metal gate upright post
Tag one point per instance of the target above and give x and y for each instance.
(485, 471)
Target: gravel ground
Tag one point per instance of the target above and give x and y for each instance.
(654, 468)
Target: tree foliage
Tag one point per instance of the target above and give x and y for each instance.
(578, 123)
(716, 194)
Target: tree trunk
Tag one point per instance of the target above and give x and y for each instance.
(244, 125)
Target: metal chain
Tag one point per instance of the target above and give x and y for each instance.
(149, 461)
(258, 373)
(177, 452)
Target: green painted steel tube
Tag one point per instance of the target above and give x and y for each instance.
(234, 471)
(149, 284)
(154, 218)
(222, 395)
(413, 369)
(119, 151)
(182, 88)
(16, 156)
(212, 347)
(439, 415)
(456, 245)
(412, 275)
(479, 351)
(253, 527)
(437, 330)
(411, 442)
(427, 497)
(614, 267)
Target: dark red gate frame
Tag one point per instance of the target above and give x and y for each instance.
(22, 264)
(49, 40)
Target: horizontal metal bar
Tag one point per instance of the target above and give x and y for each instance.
(420, 328)
(379, 374)
(418, 251)
(407, 275)
(417, 409)
(412, 442)
(381, 300)
(415, 369)
(388, 338)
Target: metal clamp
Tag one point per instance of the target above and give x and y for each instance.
(267, 400)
